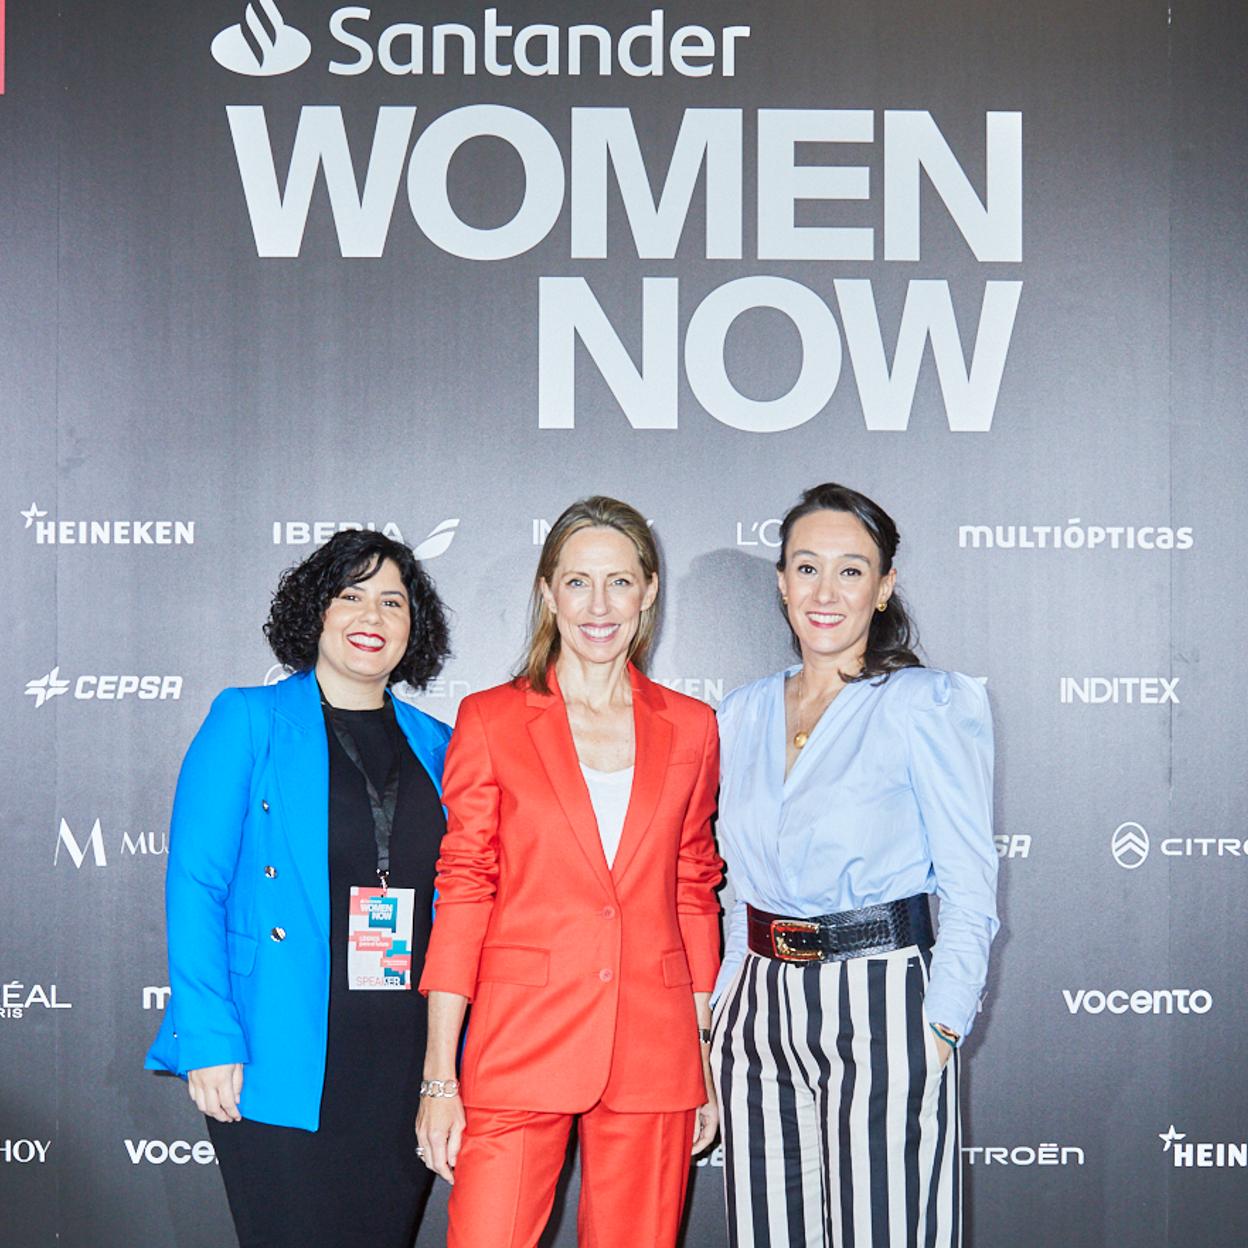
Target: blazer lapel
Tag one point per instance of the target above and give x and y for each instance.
(652, 733)
(552, 737)
(301, 768)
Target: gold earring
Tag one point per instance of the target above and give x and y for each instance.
(883, 606)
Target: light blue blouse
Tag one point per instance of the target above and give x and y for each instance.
(892, 796)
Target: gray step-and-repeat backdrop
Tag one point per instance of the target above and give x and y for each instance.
(272, 268)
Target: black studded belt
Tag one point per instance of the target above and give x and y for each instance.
(838, 937)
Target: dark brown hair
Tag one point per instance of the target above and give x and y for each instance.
(892, 637)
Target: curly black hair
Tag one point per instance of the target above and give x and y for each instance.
(305, 591)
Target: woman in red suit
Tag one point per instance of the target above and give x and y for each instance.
(576, 912)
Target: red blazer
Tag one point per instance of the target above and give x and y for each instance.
(581, 978)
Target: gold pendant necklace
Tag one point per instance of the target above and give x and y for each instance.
(800, 737)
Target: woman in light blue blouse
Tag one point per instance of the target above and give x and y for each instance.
(853, 786)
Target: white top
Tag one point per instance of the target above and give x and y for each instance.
(609, 792)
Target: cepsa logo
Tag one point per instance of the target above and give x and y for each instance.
(16, 999)
(106, 688)
(317, 532)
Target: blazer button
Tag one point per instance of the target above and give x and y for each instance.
(271, 872)
(606, 975)
(608, 912)
(278, 934)
(264, 806)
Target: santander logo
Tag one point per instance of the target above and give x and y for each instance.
(261, 45)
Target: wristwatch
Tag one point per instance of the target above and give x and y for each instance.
(704, 1034)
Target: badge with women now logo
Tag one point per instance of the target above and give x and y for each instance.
(379, 938)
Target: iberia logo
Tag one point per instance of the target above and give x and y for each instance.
(262, 44)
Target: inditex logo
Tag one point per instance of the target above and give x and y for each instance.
(1133, 690)
(1139, 1001)
(317, 532)
(178, 1152)
(1203, 1153)
(262, 44)
(1129, 845)
(104, 688)
(16, 999)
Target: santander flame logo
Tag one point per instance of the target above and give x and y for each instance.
(261, 45)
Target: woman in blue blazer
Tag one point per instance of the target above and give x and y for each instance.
(305, 833)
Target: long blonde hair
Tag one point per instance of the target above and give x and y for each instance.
(596, 512)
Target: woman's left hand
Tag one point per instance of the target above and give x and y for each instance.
(706, 1124)
(944, 1050)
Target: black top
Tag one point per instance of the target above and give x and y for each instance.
(376, 1039)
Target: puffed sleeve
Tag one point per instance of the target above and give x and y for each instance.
(699, 869)
(951, 759)
(468, 864)
(209, 808)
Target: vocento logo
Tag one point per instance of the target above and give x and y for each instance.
(106, 688)
(1203, 1153)
(1139, 1001)
(262, 44)
(179, 1152)
(1129, 845)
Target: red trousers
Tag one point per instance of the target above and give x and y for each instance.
(634, 1173)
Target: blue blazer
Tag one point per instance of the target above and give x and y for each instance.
(247, 895)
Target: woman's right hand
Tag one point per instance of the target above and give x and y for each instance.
(440, 1123)
(216, 1089)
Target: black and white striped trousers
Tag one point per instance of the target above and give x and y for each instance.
(840, 1129)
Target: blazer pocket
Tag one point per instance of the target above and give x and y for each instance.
(676, 757)
(514, 964)
(676, 969)
(241, 953)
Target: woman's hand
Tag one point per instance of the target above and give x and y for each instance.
(216, 1089)
(944, 1050)
(440, 1123)
(706, 1124)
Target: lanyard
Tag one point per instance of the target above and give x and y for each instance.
(383, 805)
